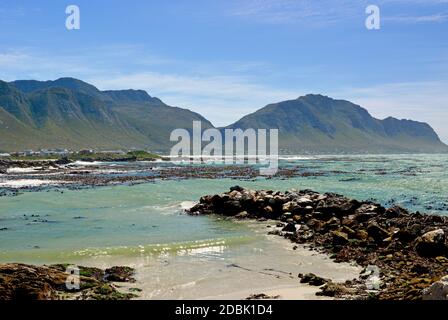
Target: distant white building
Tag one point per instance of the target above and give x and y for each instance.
(59, 152)
(29, 153)
(4, 155)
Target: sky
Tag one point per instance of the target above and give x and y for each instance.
(228, 58)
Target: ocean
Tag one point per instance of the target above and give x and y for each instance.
(181, 256)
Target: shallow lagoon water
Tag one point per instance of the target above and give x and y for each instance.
(144, 225)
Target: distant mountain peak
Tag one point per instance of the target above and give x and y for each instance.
(316, 123)
(314, 96)
(71, 113)
(132, 95)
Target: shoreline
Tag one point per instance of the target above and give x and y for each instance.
(342, 228)
(248, 276)
(408, 250)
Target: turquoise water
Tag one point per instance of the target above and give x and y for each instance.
(148, 219)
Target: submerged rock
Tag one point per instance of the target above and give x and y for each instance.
(119, 274)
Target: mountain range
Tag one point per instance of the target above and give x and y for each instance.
(70, 113)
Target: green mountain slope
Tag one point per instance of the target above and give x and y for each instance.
(69, 113)
(319, 124)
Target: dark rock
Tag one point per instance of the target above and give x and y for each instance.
(431, 244)
(120, 274)
(437, 291)
(339, 238)
(395, 212)
(237, 188)
(361, 234)
(332, 289)
(312, 279)
(261, 296)
(63, 161)
(315, 224)
(242, 215)
(27, 282)
(290, 227)
(332, 224)
(376, 232)
(350, 232)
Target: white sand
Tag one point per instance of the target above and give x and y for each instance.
(271, 268)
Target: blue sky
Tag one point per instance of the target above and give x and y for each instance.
(228, 58)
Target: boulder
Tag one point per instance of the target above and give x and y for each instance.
(431, 244)
(307, 210)
(119, 274)
(331, 289)
(361, 234)
(395, 212)
(376, 232)
(237, 188)
(314, 224)
(290, 227)
(437, 291)
(312, 279)
(336, 204)
(331, 224)
(289, 206)
(339, 238)
(350, 232)
(242, 215)
(303, 201)
(408, 234)
(229, 208)
(28, 282)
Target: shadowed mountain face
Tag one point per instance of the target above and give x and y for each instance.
(319, 124)
(70, 113)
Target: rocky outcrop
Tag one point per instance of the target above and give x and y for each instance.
(437, 291)
(409, 248)
(28, 282)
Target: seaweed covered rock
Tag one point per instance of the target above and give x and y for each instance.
(410, 249)
(28, 282)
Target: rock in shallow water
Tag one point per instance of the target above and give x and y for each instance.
(352, 231)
